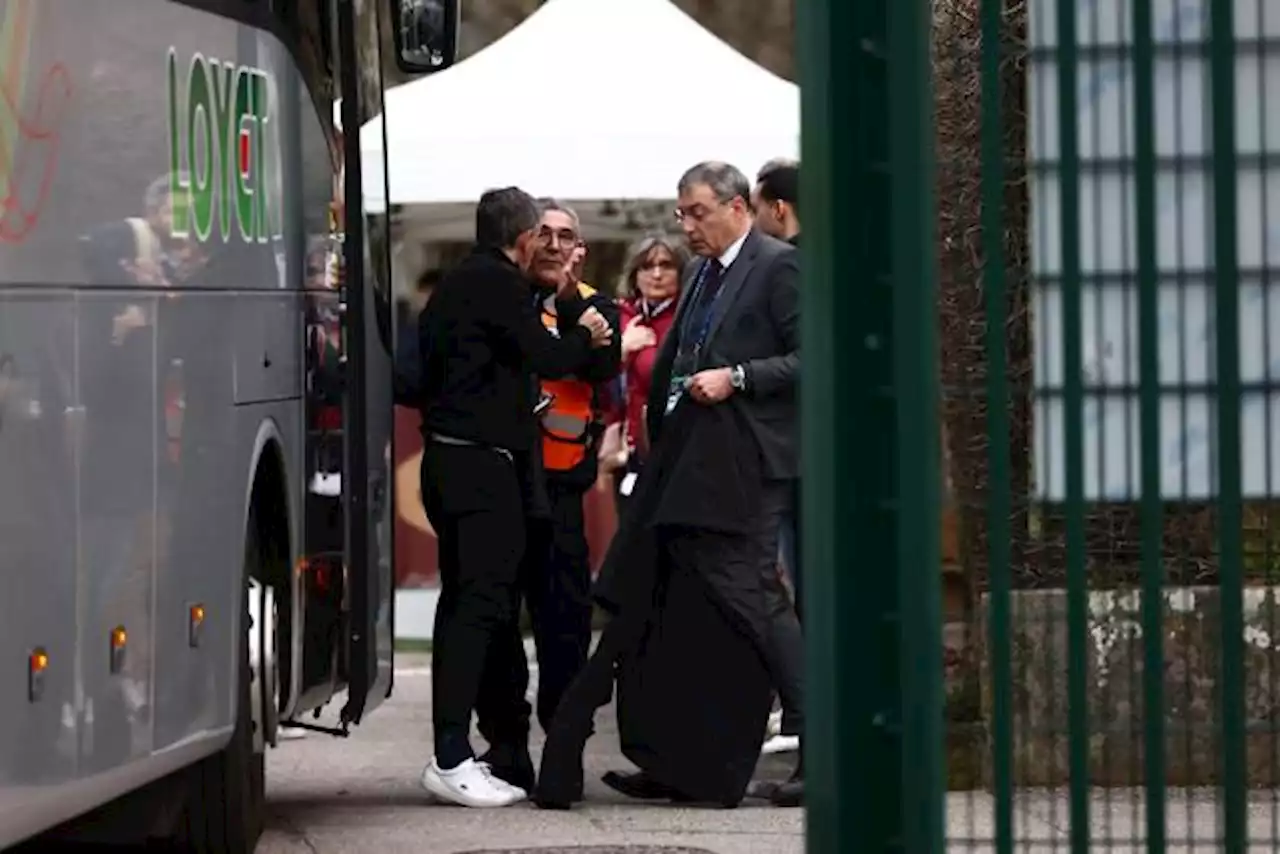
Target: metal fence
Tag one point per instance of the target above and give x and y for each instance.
(1042, 336)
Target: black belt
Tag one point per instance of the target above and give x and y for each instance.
(467, 443)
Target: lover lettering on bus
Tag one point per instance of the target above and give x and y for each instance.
(222, 157)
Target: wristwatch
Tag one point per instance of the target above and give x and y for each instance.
(738, 378)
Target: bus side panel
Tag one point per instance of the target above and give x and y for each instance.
(37, 544)
(199, 514)
(122, 457)
(115, 368)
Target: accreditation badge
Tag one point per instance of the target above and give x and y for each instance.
(675, 392)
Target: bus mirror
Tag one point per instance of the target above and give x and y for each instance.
(426, 34)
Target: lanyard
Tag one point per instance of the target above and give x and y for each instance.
(705, 327)
(651, 310)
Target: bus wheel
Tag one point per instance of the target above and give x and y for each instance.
(226, 799)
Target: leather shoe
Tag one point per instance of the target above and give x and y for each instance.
(644, 788)
(790, 793)
(639, 786)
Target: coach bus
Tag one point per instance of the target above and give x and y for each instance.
(195, 402)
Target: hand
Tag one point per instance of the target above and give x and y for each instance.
(711, 386)
(567, 281)
(613, 452)
(637, 337)
(601, 332)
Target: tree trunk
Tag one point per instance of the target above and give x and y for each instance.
(957, 57)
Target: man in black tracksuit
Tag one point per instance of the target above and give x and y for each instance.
(481, 343)
(556, 571)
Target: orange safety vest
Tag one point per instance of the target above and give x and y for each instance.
(567, 423)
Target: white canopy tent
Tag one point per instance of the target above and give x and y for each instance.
(604, 102)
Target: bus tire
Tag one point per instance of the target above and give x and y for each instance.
(226, 800)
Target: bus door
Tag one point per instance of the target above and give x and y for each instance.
(367, 393)
(368, 406)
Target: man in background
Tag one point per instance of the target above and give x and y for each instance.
(408, 361)
(776, 201)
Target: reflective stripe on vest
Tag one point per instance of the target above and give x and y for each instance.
(566, 425)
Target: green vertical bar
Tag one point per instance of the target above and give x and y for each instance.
(1073, 413)
(1226, 281)
(999, 506)
(848, 420)
(1149, 427)
(870, 429)
(913, 289)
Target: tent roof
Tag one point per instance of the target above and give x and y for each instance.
(585, 99)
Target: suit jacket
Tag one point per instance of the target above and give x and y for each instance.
(755, 324)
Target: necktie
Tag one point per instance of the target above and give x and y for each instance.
(711, 283)
(700, 315)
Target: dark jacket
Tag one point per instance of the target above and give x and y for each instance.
(671, 635)
(756, 325)
(482, 341)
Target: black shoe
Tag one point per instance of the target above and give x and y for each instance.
(544, 803)
(790, 793)
(762, 789)
(641, 787)
(511, 765)
(545, 798)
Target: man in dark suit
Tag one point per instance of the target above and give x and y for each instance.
(701, 627)
(731, 362)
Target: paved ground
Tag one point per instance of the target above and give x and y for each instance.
(361, 794)
(328, 796)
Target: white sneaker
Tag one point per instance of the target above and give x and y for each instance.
(781, 744)
(501, 783)
(775, 723)
(470, 785)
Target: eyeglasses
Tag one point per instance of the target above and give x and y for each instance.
(698, 211)
(564, 236)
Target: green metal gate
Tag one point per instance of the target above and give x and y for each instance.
(1058, 348)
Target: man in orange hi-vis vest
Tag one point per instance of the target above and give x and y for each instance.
(556, 572)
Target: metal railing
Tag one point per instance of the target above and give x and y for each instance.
(1041, 315)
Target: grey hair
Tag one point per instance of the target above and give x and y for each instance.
(725, 180)
(639, 251)
(548, 204)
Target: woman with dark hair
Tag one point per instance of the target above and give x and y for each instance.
(648, 291)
